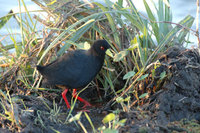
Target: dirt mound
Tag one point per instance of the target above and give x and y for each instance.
(178, 97)
(172, 106)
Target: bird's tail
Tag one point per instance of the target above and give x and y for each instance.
(39, 68)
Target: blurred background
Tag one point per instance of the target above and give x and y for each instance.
(179, 8)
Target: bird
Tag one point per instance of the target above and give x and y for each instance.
(75, 69)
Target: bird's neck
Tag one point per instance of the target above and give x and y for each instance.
(97, 54)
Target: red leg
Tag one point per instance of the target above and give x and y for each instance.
(80, 99)
(64, 97)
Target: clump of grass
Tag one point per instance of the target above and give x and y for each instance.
(9, 112)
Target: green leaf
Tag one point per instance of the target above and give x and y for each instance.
(163, 75)
(122, 122)
(108, 130)
(5, 19)
(119, 56)
(120, 2)
(109, 53)
(182, 34)
(133, 46)
(109, 118)
(76, 117)
(129, 75)
(143, 95)
(127, 99)
(151, 16)
(86, 46)
(153, 73)
(119, 99)
(90, 121)
(143, 77)
(51, 3)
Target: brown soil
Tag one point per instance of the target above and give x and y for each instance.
(177, 99)
(173, 107)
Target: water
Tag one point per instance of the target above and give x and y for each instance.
(180, 9)
(12, 26)
(6, 6)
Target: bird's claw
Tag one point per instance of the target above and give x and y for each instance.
(86, 105)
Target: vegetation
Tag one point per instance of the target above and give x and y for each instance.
(136, 41)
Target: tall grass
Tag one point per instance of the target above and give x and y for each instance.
(135, 38)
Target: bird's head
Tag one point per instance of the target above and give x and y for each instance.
(100, 47)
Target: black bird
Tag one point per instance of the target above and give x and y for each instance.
(75, 69)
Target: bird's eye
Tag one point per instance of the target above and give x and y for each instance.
(102, 48)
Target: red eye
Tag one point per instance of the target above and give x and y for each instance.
(102, 48)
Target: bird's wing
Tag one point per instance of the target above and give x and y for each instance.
(67, 68)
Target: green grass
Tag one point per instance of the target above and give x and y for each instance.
(135, 40)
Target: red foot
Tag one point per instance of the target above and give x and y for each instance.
(81, 99)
